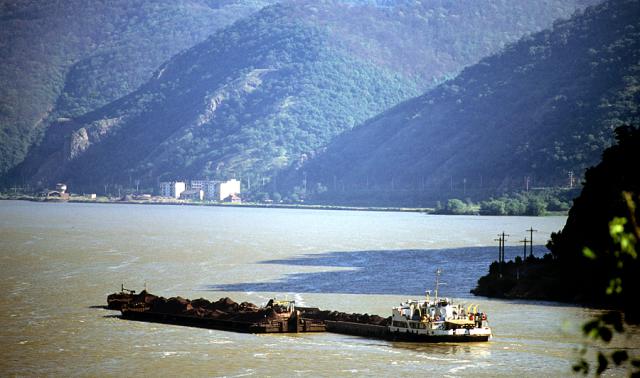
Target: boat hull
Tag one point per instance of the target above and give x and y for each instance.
(273, 326)
(383, 332)
(420, 338)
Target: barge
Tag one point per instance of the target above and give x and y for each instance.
(224, 314)
(431, 320)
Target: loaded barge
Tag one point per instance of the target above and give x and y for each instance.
(432, 320)
(224, 314)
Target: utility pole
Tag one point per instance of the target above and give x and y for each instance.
(504, 239)
(464, 186)
(524, 253)
(501, 240)
(438, 272)
(526, 183)
(531, 231)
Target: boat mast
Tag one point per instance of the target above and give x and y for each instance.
(438, 271)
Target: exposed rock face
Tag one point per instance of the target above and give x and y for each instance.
(236, 89)
(81, 139)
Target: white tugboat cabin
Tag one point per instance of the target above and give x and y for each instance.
(438, 320)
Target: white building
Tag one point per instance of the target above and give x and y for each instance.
(172, 188)
(228, 188)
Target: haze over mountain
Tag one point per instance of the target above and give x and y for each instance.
(543, 107)
(273, 88)
(65, 58)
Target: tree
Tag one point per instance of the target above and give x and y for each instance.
(536, 207)
(625, 233)
(493, 207)
(456, 206)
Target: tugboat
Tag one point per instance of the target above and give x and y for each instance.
(438, 320)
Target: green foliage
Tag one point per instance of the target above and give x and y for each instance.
(493, 207)
(624, 233)
(456, 206)
(534, 203)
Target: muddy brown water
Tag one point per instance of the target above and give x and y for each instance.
(60, 260)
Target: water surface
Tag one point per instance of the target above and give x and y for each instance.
(60, 260)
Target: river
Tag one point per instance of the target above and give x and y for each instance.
(61, 260)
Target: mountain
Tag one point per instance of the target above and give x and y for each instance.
(65, 58)
(274, 88)
(541, 108)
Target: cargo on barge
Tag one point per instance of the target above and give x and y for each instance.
(224, 314)
(435, 319)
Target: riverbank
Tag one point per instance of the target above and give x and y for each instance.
(177, 202)
(536, 279)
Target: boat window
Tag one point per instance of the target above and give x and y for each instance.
(399, 324)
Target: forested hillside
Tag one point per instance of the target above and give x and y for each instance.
(540, 109)
(272, 89)
(65, 58)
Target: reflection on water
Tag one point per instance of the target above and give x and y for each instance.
(59, 261)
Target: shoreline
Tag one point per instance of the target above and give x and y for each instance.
(232, 205)
(165, 202)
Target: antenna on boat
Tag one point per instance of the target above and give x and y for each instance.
(438, 272)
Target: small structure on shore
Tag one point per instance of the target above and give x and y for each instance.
(58, 194)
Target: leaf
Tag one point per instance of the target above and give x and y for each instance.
(613, 318)
(616, 226)
(588, 253)
(588, 326)
(602, 363)
(581, 366)
(619, 356)
(605, 334)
